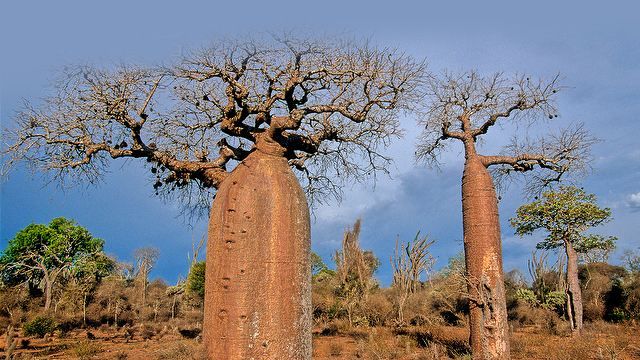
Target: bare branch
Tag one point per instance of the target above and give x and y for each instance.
(549, 158)
(465, 106)
(331, 105)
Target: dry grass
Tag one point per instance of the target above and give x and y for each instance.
(600, 341)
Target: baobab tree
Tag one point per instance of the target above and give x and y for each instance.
(566, 214)
(465, 107)
(236, 118)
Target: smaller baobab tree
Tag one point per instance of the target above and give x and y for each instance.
(565, 214)
(465, 107)
(410, 262)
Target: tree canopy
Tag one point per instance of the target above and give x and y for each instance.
(327, 106)
(466, 106)
(60, 244)
(565, 214)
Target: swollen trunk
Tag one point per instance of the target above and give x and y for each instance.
(489, 337)
(258, 280)
(574, 294)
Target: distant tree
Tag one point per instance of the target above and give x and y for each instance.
(195, 280)
(42, 253)
(547, 283)
(354, 271)
(631, 260)
(85, 275)
(409, 262)
(317, 264)
(145, 259)
(465, 107)
(565, 214)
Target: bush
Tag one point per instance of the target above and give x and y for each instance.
(39, 327)
(86, 350)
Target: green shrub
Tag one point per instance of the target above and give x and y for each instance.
(527, 296)
(39, 326)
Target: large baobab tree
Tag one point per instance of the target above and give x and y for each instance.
(236, 117)
(566, 214)
(465, 107)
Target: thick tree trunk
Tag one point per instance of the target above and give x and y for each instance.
(574, 293)
(489, 336)
(258, 276)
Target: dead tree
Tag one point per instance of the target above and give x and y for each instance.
(354, 271)
(327, 109)
(465, 107)
(409, 262)
(145, 259)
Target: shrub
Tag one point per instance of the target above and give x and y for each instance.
(86, 350)
(39, 327)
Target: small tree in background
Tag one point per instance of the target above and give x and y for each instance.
(565, 214)
(195, 280)
(145, 259)
(409, 262)
(354, 271)
(42, 253)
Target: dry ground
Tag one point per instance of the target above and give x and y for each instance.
(600, 341)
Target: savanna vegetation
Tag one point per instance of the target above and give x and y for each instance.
(248, 133)
(95, 302)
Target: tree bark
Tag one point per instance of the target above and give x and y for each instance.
(489, 332)
(574, 293)
(47, 292)
(258, 276)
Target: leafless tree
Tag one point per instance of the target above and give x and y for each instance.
(326, 108)
(145, 259)
(409, 262)
(330, 105)
(465, 107)
(354, 270)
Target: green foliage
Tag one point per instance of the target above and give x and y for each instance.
(60, 244)
(317, 264)
(39, 326)
(195, 280)
(552, 300)
(527, 295)
(565, 214)
(455, 265)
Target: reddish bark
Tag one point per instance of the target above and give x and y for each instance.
(258, 280)
(489, 337)
(574, 293)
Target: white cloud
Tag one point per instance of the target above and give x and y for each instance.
(634, 201)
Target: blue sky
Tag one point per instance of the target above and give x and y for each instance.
(594, 46)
